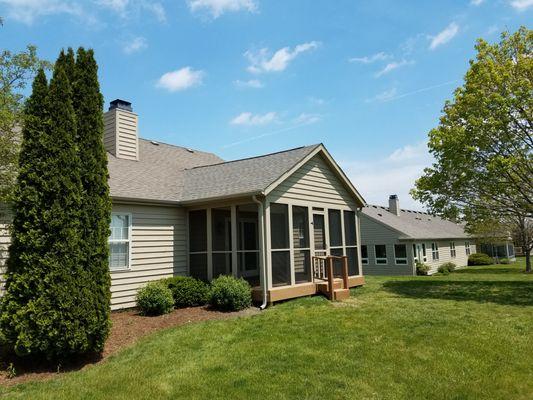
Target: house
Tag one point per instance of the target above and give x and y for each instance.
(393, 240)
(272, 220)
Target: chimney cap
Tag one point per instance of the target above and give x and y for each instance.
(393, 197)
(122, 104)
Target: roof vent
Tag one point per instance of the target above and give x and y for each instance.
(190, 150)
(154, 142)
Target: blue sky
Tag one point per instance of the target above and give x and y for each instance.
(246, 77)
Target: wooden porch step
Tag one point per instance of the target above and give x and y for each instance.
(323, 287)
(341, 294)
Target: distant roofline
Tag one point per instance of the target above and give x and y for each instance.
(252, 158)
(402, 209)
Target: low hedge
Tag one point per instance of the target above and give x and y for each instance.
(446, 268)
(479, 259)
(230, 294)
(155, 299)
(187, 291)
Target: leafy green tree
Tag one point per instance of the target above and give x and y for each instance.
(47, 308)
(16, 70)
(96, 204)
(483, 145)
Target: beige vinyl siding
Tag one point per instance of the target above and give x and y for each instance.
(373, 233)
(120, 134)
(461, 260)
(5, 240)
(158, 250)
(314, 182)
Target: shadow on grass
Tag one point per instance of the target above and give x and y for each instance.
(499, 292)
(489, 270)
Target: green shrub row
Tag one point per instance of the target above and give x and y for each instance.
(225, 293)
(446, 268)
(479, 259)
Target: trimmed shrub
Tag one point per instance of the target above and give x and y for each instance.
(446, 268)
(421, 268)
(230, 294)
(187, 291)
(479, 259)
(155, 299)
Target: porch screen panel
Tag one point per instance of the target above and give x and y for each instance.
(353, 265)
(198, 244)
(335, 228)
(337, 264)
(349, 228)
(279, 243)
(248, 243)
(221, 241)
(300, 236)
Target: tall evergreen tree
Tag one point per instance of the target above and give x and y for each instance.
(48, 308)
(96, 204)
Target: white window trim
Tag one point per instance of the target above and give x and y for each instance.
(129, 241)
(453, 251)
(400, 258)
(364, 261)
(467, 248)
(435, 251)
(378, 259)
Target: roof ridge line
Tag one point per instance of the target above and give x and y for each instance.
(250, 158)
(175, 145)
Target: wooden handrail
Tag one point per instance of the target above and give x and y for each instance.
(323, 269)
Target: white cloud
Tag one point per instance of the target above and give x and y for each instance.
(392, 66)
(249, 119)
(387, 95)
(128, 8)
(395, 173)
(135, 45)
(521, 5)
(264, 61)
(180, 79)
(252, 83)
(27, 11)
(215, 8)
(307, 119)
(476, 2)
(370, 59)
(444, 36)
(316, 101)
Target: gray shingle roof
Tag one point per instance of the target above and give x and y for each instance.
(175, 174)
(416, 224)
(158, 174)
(239, 177)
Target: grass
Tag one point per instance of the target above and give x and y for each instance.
(468, 335)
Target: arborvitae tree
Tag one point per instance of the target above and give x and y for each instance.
(48, 308)
(96, 203)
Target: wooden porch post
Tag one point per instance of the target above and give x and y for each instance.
(345, 272)
(330, 278)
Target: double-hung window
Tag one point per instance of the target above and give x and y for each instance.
(400, 254)
(120, 242)
(364, 254)
(453, 252)
(381, 253)
(435, 251)
(467, 248)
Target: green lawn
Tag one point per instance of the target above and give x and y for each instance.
(468, 335)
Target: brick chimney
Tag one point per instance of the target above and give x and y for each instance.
(120, 130)
(394, 204)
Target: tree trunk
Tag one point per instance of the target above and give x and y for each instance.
(528, 261)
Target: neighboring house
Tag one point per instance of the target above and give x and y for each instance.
(392, 240)
(178, 211)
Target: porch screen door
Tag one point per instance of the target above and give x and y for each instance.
(319, 234)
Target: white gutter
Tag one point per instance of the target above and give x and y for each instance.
(262, 238)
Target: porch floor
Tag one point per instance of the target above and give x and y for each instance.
(302, 289)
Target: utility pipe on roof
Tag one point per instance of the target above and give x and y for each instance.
(262, 238)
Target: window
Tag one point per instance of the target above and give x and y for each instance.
(279, 242)
(300, 237)
(400, 254)
(415, 256)
(381, 253)
(453, 253)
(467, 248)
(434, 251)
(364, 254)
(424, 252)
(350, 239)
(119, 242)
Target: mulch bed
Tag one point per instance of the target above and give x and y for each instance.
(127, 327)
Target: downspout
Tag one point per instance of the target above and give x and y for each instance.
(262, 238)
